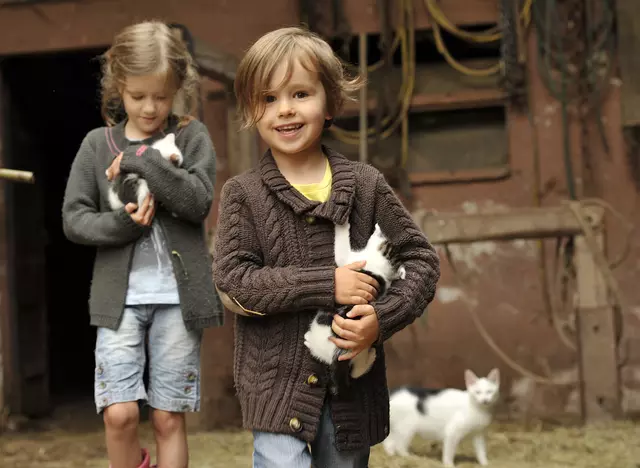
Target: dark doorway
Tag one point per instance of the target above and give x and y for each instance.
(50, 102)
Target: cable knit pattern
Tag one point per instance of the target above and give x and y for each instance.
(184, 197)
(275, 257)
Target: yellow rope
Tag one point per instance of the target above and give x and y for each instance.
(441, 21)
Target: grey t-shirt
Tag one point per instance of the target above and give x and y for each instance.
(151, 279)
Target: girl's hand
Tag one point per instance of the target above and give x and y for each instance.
(143, 215)
(356, 335)
(353, 287)
(114, 169)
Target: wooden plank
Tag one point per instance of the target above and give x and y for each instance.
(597, 340)
(521, 223)
(460, 177)
(628, 27)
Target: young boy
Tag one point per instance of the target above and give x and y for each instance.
(274, 262)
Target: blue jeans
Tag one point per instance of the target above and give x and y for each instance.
(285, 451)
(174, 360)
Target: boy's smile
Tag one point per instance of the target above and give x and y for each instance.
(295, 113)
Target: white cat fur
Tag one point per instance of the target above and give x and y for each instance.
(450, 416)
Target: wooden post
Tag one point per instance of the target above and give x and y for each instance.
(597, 338)
(242, 145)
(364, 104)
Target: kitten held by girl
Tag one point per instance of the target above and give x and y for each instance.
(152, 277)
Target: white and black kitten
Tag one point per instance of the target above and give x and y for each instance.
(446, 415)
(379, 255)
(131, 188)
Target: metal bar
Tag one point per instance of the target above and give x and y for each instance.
(364, 121)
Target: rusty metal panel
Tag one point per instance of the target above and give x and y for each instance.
(628, 27)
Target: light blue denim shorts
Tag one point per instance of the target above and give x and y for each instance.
(174, 360)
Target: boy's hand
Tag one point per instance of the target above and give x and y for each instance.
(353, 287)
(356, 335)
(143, 215)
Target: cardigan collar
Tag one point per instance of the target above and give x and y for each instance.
(337, 208)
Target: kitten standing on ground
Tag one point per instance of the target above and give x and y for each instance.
(130, 187)
(447, 415)
(379, 255)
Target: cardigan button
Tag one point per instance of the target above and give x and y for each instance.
(310, 219)
(295, 425)
(312, 380)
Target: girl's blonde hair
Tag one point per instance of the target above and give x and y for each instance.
(288, 45)
(147, 48)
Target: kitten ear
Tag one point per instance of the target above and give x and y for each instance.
(469, 378)
(494, 376)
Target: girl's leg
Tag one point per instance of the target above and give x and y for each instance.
(120, 360)
(174, 382)
(323, 448)
(279, 450)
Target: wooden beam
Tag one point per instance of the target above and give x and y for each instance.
(521, 223)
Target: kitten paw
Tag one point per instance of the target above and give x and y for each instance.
(402, 273)
(317, 341)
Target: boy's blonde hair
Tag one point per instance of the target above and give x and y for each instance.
(286, 45)
(147, 48)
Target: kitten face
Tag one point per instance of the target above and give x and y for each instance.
(485, 390)
(167, 147)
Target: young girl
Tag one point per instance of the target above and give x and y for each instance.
(152, 276)
(274, 262)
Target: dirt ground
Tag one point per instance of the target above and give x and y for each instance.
(77, 442)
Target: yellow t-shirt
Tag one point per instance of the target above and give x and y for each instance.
(319, 191)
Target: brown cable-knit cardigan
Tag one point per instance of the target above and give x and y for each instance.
(274, 258)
